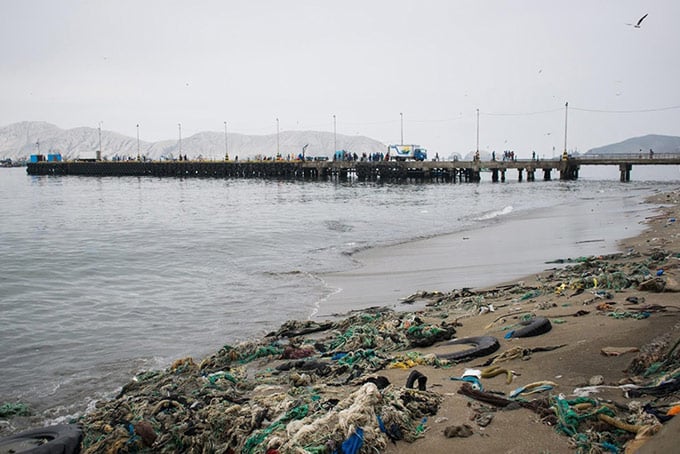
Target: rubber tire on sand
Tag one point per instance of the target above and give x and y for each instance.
(59, 439)
(534, 327)
(483, 345)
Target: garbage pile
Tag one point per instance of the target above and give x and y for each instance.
(284, 393)
(653, 390)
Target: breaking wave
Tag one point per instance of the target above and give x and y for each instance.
(496, 213)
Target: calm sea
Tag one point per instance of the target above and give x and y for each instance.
(104, 277)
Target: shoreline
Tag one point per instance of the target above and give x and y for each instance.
(505, 248)
(247, 376)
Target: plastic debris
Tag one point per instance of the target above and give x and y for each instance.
(533, 388)
(617, 351)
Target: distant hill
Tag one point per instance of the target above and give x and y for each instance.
(20, 140)
(660, 145)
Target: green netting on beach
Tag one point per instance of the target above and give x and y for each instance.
(9, 409)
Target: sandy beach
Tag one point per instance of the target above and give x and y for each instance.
(577, 364)
(343, 385)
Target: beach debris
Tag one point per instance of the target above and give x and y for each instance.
(531, 327)
(11, 409)
(532, 388)
(656, 285)
(412, 359)
(482, 346)
(482, 419)
(674, 410)
(146, 432)
(58, 438)
(581, 420)
(276, 393)
(589, 390)
(519, 352)
(473, 377)
(294, 328)
(617, 351)
(468, 390)
(657, 374)
(596, 380)
(434, 297)
(461, 431)
(493, 371)
(416, 376)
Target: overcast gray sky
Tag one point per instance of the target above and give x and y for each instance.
(158, 63)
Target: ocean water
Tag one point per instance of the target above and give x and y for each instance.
(104, 277)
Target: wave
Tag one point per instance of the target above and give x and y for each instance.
(496, 213)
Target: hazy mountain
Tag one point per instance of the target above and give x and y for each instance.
(660, 145)
(20, 140)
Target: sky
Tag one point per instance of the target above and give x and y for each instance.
(446, 75)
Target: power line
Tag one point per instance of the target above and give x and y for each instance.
(354, 124)
(519, 114)
(659, 109)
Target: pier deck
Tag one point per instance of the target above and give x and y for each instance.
(444, 171)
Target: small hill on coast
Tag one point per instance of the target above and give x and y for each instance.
(660, 144)
(20, 140)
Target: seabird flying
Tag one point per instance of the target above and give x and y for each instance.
(639, 21)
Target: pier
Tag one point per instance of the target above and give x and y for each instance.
(386, 171)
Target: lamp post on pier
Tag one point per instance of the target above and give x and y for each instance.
(335, 140)
(566, 112)
(278, 152)
(226, 145)
(139, 157)
(99, 152)
(179, 125)
(477, 131)
(401, 118)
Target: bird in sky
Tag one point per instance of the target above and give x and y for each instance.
(639, 21)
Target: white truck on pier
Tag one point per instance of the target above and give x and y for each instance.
(406, 152)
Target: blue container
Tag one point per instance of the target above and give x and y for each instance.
(54, 157)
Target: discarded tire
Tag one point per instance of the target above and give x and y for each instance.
(60, 439)
(416, 376)
(483, 345)
(533, 327)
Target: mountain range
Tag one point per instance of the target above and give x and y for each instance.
(660, 145)
(20, 140)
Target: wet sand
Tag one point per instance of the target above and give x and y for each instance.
(498, 250)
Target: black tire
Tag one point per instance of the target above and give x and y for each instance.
(60, 439)
(416, 376)
(534, 327)
(483, 345)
